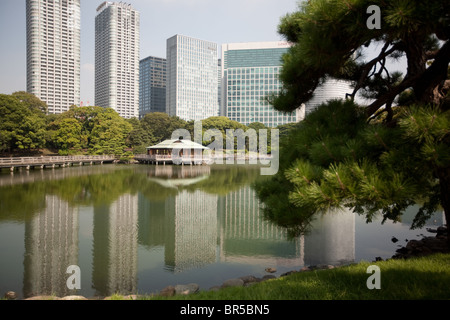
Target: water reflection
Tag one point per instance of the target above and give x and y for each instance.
(115, 244)
(51, 245)
(197, 216)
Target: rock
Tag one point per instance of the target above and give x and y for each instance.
(215, 288)
(268, 277)
(74, 298)
(305, 269)
(441, 231)
(10, 295)
(323, 267)
(423, 247)
(271, 270)
(249, 279)
(413, 244)
(187, 289)
(288, 273)
(233, 283)
(43, 298)
(167, 291)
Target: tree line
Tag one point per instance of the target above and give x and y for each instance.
(26, 128)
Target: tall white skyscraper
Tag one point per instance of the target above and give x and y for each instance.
(53, 52)
(117, 45)
(192, 82)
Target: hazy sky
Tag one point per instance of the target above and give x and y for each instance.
(217, 21)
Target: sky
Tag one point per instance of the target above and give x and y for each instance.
(212, 20)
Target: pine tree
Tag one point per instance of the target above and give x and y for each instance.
(383, 157)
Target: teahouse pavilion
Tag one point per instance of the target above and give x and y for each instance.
(178, 152)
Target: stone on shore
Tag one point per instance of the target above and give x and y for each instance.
(233, 283)
(186, 289)
(43, 298)
(268, 277)
(10, 295)
(73, 298)
(250, 279)
(167, 291)
(271, 270)
(425, 246)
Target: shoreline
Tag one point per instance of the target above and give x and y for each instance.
(414, 248)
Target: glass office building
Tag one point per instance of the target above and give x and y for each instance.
(192, 80)
(249, 74)
(152, 86)
(53, 52)
(117, 46)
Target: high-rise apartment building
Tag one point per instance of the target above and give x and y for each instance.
(117, 45)
(53, 52)
(249, 74)
(192, 81)
(331, 89)
(152, 85)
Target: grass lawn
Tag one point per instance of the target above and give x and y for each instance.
(426, 278)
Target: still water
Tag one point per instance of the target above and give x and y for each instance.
(139, 229)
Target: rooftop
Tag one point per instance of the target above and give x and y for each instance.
(178, 144)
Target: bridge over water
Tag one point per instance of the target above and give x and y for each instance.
(53, 161)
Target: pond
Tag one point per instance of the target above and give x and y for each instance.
(140, 228)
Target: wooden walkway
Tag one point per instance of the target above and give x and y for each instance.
(52, 162)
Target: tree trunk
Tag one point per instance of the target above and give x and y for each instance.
(444, 182)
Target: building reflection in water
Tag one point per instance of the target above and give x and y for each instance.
(191, 239)
(202, 229)
(51, 246)
(247, 238)
(115, 247)
(194, 227)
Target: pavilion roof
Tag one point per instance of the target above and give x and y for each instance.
(178, 144)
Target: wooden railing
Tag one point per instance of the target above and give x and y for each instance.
(24, 161)
(159, 157)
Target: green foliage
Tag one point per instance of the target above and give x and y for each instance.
(94, 130)
(225, 126)
(68, 138)
(33, 103)
(379, 158)
(160, 126)
(329, 36)
(20, 128)
(109, 134)
(335, 158)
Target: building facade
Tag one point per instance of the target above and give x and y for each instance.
(152, 85)
(117, 45)
(249, 74)
(331, 89)
(53, 52)
(192, 81)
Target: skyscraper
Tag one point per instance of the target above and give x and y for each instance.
(192, 82)
(152, 85)
(117, 44)
(250, 73)
(53, 52)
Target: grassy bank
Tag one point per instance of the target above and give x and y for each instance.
(420, 278)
